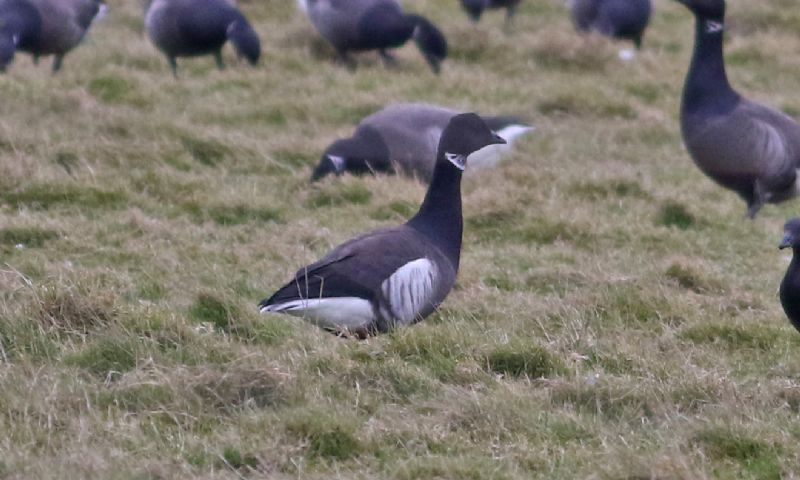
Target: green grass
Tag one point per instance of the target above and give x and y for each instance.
(615, 315)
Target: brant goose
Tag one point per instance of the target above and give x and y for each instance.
(187, 28)
(475, 8)
(403, 138)
(742, 145)
(395, 276)
(623, 19)
(44, 27)
(361, 25)
(790, 286)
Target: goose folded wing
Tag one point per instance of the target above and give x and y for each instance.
(354, 269)
(774, 140)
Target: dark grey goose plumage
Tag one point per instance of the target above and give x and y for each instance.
(188, 28)
(623, 19)
(742, 145)
(44, 27)
(790, 286)
(403, 138)
(476, 8)
(364, 25)
(395, 276)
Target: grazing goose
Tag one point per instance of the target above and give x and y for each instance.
(187, 28)
(742, 145)
(623, 19)
(361, 25)
(475, 8)
(404, 138)
(790, 286)
(44, 27)
(395, 276)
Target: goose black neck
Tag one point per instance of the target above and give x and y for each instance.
(439, 218)
(707, 87)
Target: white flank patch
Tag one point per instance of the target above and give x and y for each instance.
(302, 5)
(488, 156)
(408, 291)
(337, 161)
(627, 54)
(336, 313)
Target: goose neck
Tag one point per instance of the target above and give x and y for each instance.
(440, 216)
(707, 85)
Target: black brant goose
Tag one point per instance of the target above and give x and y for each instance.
(395, 276)
(790, 286)
(475, 8)
(623, 19)
(742, 145)
(44, 27)
(361, 25)
(403, 138)
(187, 28)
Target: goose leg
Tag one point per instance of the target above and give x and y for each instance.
(58, 61)
(173, 65)
(509, 23)
(346, 60)
(218, 59)
(760, 197)
(36, 60)
(388, 59)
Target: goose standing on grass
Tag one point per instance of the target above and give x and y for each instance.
(475, 8)
(44, 27)
(623, 19)
(396, 276)
(362, 25)
(403, 138)
(742, 145)
(188, 28)
(790, 286)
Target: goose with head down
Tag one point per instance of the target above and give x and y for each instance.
(44, 27)
(363, 25)
(403, 138)
(188, 28)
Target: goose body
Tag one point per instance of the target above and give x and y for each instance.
(397, 276)
(403, 138)
(187, 28)
(790, 286)
(623, 19)
(362, 25)
(44, 27)
(744, 146)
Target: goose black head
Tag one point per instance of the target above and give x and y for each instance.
(791, 234)
(430, 41)
(245, 40)
(474, 9)
(364, 152)
(708, 9)
(465, 134)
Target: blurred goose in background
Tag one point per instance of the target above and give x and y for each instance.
(44, 27)
(790, 286)
(623, 19)
(742, 145)
(475, 8)
(403, 138)
(187, 28)
(362, 25)
(397, 276)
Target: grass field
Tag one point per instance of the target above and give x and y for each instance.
(616, 317)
